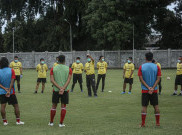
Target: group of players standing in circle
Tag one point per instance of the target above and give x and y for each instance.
(60, 76)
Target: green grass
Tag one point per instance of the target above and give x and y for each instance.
(109, 114)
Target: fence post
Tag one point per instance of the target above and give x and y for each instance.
(73, 54)
(33, 60)
(102, 53)
(46, 57)
(119, 58)
(169, 57)
(8, 56)
(88, 51)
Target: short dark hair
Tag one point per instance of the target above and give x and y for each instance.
(41, 59)
(4, 62)
(78, 58)
(149, 56)
(15, 57)
(61, 58)
(130, 58)
(100, 57)
(153, 61)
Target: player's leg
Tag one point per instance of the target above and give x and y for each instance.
(63, 114)
(145, 102)
(80, 81)
(74, 82)
(143, 115)
(124, 86)
(130, 85)
(93, 85)
(13, 101)
(176, 85)
(103, 81)
(52, 113)
(154, 102)
(180, 83)
(55, 101)
(88, 85)
(43, 85)
(3, 113)
(130, 88)
(37, 85)
(181, 91)
(18, 83)
(98, 81)
(64, 101)
(157, 115)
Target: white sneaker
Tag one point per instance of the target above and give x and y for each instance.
(20, 123)
(61, 125)
(51, 124)
(5, 123)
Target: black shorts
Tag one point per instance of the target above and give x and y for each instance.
(56, 97)
(146, 98)
(17, 77)
(178, 80)
(77, 77)
(128, 80)
(12, 100)
(43, 80)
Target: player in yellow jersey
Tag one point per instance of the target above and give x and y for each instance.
(102, 69)
(42, 74)
(17, 66)
(160, 86)
(178, 80)
(90, 75)
(56, 63)
(128, 70)
(77, 68)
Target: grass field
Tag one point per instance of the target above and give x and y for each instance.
(109, 114)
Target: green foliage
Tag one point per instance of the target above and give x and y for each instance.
(96, 24)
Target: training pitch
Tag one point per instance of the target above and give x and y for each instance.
(109, 114)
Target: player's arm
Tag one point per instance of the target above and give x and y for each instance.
(143, 82)
(46, 68)
(90, 57)
(124, 71)
(158, 77)
(6, 89)
(54, 82)
(132, 71)
(141, 78)
(12, 83)
(68, 80)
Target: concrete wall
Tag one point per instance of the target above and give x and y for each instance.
(115, 59)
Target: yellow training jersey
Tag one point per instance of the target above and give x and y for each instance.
(128, 68)
(42, 70)
(55, 64)
(89, 68)
(158, 64)
(16, 66)
(102, 66)
(77, 68)
(179, 69)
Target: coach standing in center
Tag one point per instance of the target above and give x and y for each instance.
(90, 75)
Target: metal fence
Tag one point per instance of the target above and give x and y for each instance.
(115, 59)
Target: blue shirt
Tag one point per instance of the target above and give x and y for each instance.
(6, 74)
(149, 72)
